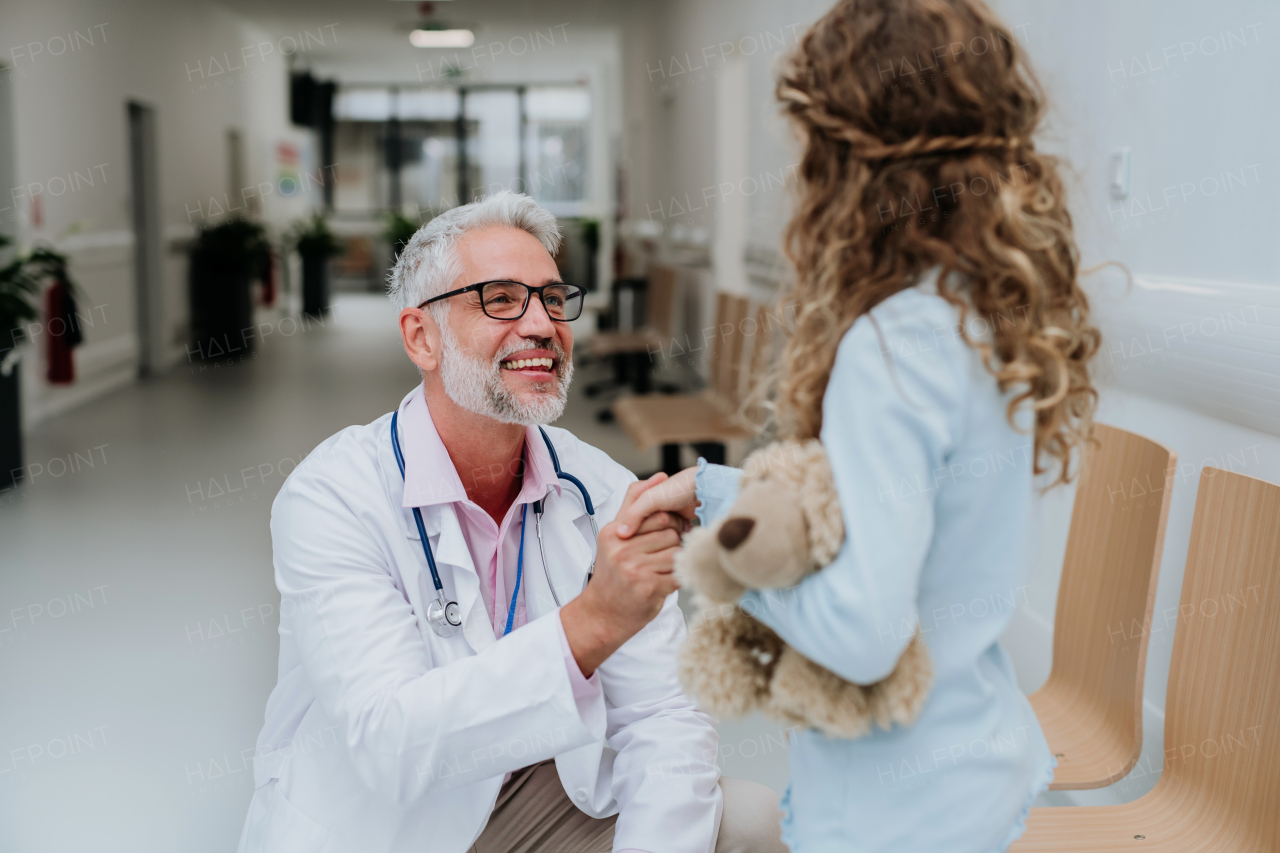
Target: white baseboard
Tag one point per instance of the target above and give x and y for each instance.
(102, 367)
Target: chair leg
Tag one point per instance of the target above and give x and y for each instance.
(671, 458)
(595, 389)
(641, 373)
(712, 451)
(618, 380)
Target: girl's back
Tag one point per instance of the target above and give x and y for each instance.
(935, 486)
(941, 353)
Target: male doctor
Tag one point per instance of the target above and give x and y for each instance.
(531, 726)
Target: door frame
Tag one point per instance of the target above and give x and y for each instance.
(144, 206)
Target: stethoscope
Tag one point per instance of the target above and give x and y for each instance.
(443, 615)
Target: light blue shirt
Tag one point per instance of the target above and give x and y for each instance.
(935, 488)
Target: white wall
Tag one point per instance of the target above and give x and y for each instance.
(698, 45)
(1201, 113)
(70, 117)
(1183, 85)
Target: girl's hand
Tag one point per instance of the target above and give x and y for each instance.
(678, 495)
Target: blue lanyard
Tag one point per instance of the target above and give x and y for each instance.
(511, 611)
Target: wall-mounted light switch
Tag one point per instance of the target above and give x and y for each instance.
(1119, 172)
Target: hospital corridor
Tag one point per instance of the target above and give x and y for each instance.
(148, 619)
(483, 426)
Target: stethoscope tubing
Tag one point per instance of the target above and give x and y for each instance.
(417, 513)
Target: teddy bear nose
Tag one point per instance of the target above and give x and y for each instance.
(734, 531)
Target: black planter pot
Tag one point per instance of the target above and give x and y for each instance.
(10, 429)
(315, 283)
(221, 307)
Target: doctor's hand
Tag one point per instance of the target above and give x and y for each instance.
(633, 578)
(676, 495)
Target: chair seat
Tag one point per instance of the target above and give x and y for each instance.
(1093, 750)
(606, 344)
(655, 419)
(1168, 820)
(1220, 778)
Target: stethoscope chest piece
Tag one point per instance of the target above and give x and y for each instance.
(444, 617)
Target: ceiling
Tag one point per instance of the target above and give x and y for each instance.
(368, 41)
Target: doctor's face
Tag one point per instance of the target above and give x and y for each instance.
(515, 371)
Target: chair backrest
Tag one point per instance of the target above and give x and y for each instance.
(757, 357)
(728, 345)
(1222, 709)
(1109, 577)
(660, 307)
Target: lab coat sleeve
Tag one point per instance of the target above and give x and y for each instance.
(665, 776)
(410, 729)
(892, 413)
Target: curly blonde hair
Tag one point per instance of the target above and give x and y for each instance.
(917, 118)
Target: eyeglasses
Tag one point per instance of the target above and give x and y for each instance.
(508, 300)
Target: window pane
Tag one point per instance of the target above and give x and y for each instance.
(558, 104)
(430, 177)
(493, 141)
(362, 105)
(556, 143)
(429, 104)
(360, 172)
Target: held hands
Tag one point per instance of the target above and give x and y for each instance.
(678, 494)
(635, 560)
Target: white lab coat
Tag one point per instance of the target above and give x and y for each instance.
(382, 736)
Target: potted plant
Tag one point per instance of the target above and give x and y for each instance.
(399, 231)
(225, 259)
(315, 244)
(17, 289)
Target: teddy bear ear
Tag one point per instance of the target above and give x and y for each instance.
(819, 502)
(764, 461)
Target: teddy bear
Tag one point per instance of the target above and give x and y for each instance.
(784, 524)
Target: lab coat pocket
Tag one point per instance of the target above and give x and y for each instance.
(276, 826)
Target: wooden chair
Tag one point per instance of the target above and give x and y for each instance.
(1091, 707)
(633, 351)
(657, 332)
(709, 419)
(1219, 791)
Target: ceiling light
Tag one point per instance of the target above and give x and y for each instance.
(442, 38)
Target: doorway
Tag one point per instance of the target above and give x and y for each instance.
(145, 198)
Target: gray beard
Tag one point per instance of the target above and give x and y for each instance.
(476, 384)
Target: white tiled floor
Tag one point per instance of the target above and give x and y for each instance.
(137, 607)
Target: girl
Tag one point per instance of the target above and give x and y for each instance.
(941, 355)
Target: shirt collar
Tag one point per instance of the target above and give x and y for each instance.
(430, 478)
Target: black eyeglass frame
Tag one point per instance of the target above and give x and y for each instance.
(530, 290)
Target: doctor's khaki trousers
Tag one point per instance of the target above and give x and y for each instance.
(534, 815)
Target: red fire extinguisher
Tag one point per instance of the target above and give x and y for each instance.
(62, 332)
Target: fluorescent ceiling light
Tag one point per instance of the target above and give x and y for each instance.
(442, 38)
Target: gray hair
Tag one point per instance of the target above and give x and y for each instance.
(429, 262)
